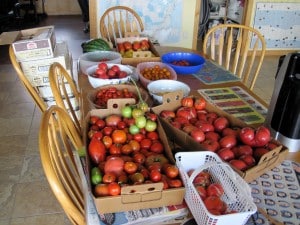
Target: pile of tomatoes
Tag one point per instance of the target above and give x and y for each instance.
(125, 150)
(105, 72)
(156, 73)
(181, 63)
(241, 147)
(102, 95)
(210, 193)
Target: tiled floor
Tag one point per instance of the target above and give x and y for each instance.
(25, 197)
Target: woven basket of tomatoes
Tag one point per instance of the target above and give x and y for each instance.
(215, 194)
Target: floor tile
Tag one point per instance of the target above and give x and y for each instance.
(34, 198)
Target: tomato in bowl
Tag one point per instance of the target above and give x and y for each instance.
(184, 62)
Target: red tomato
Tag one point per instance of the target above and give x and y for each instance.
(108, 178)
(226, 154)
(198, 135)
(186, 112)
(175, 183)
(126, 149)
(93, 119)
(153, 135)
(214, 203)
(146, 143)
(238, 164)
(114, 189)
(155, 175)
(114, 165)
(115, 149)
(139, 158)
(200, 103)
(100, 123)
(130, 167)
(97, 151)
(215, 189)
(201, 191)
(171, 171)
(157, 147)
(119, 136)
(138, 137)
(187, 102)
(221, 123)
(228, 141)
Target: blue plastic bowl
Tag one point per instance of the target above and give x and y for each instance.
(196, 61)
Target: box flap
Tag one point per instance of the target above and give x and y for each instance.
(7, 38)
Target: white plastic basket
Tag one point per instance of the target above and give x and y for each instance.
(237, 193)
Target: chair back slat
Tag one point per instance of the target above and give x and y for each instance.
(123, 20)
(58, 144)
(238, 48)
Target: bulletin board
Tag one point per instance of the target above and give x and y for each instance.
(170, 22)
(278, 21)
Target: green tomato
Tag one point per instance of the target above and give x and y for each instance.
(137, 112)
(150, 125)
(133, 129)
(96, 176)
(127, 112)
(143, 106)
(140, 121)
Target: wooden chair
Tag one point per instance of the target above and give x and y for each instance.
(58, 139)
(119, 20)
(26, 83)
(65, 92)
(238, 48)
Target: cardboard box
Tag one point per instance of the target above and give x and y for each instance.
(140, 56)
(37, 71)
(30, 44)
(133, 197)
(171, 101)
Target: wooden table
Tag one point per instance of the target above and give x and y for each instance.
(194, 84)
(192, 81)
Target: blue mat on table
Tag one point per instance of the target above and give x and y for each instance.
(212, 73)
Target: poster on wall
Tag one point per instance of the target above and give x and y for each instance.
(279, 23)
(162, 19)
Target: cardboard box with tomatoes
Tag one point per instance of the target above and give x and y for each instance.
(135, 194)
(137, 49)
(267, 154)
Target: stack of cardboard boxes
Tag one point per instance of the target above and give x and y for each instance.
(36, 49)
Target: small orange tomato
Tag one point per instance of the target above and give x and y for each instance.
(119, 136)
(130, 167)
(101, 190)
(109, 178)
(187, 102)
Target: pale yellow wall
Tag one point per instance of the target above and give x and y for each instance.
(60, 7)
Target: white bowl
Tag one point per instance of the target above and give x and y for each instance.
(98, 82)
(89, 59)
(160, 87)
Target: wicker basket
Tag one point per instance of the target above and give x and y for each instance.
(237, 193)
